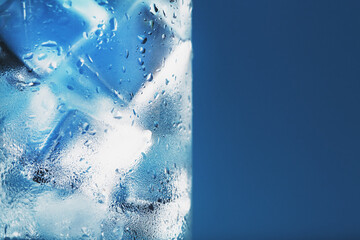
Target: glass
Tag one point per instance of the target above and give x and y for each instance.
(95, 119)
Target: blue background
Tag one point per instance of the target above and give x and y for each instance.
(276, 119)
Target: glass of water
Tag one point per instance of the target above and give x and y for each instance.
(95, 119)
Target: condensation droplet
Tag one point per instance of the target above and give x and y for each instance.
(142, 39)
(149, 77)
(49, 44)
(99, 33)
(113, 24)
(89, 58)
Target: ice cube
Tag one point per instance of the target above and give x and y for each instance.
(128, 50)
(162, 219)
(87, 154)
(75, 84)
(41, 32)
(27, 118)
(76, 216)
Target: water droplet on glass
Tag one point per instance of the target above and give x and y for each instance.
(123, 69)
(42, 56)
(140, 61)
(149, 77)
(86, 126)
(89, 58)
(49, 44)
(142, 50)
(59, 50)
(117, 115)
(126, 53)
(101, 26)
(80, 62)
(151, 23)
(52, 66)
(28, 56)
(34, 83)
(113, 24)
(156, 95)
(142, 39)
(99, 33)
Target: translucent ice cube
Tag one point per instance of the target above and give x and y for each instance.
(27, 107)
(158, 219)
(128, 50)
(76, 216)
(86, 154)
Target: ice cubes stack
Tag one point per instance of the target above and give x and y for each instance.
(78, 86)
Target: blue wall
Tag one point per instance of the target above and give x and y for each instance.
(276, 119)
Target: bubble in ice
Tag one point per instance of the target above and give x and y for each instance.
(142, 39)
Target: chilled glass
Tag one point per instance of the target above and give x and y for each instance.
(95, 119)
